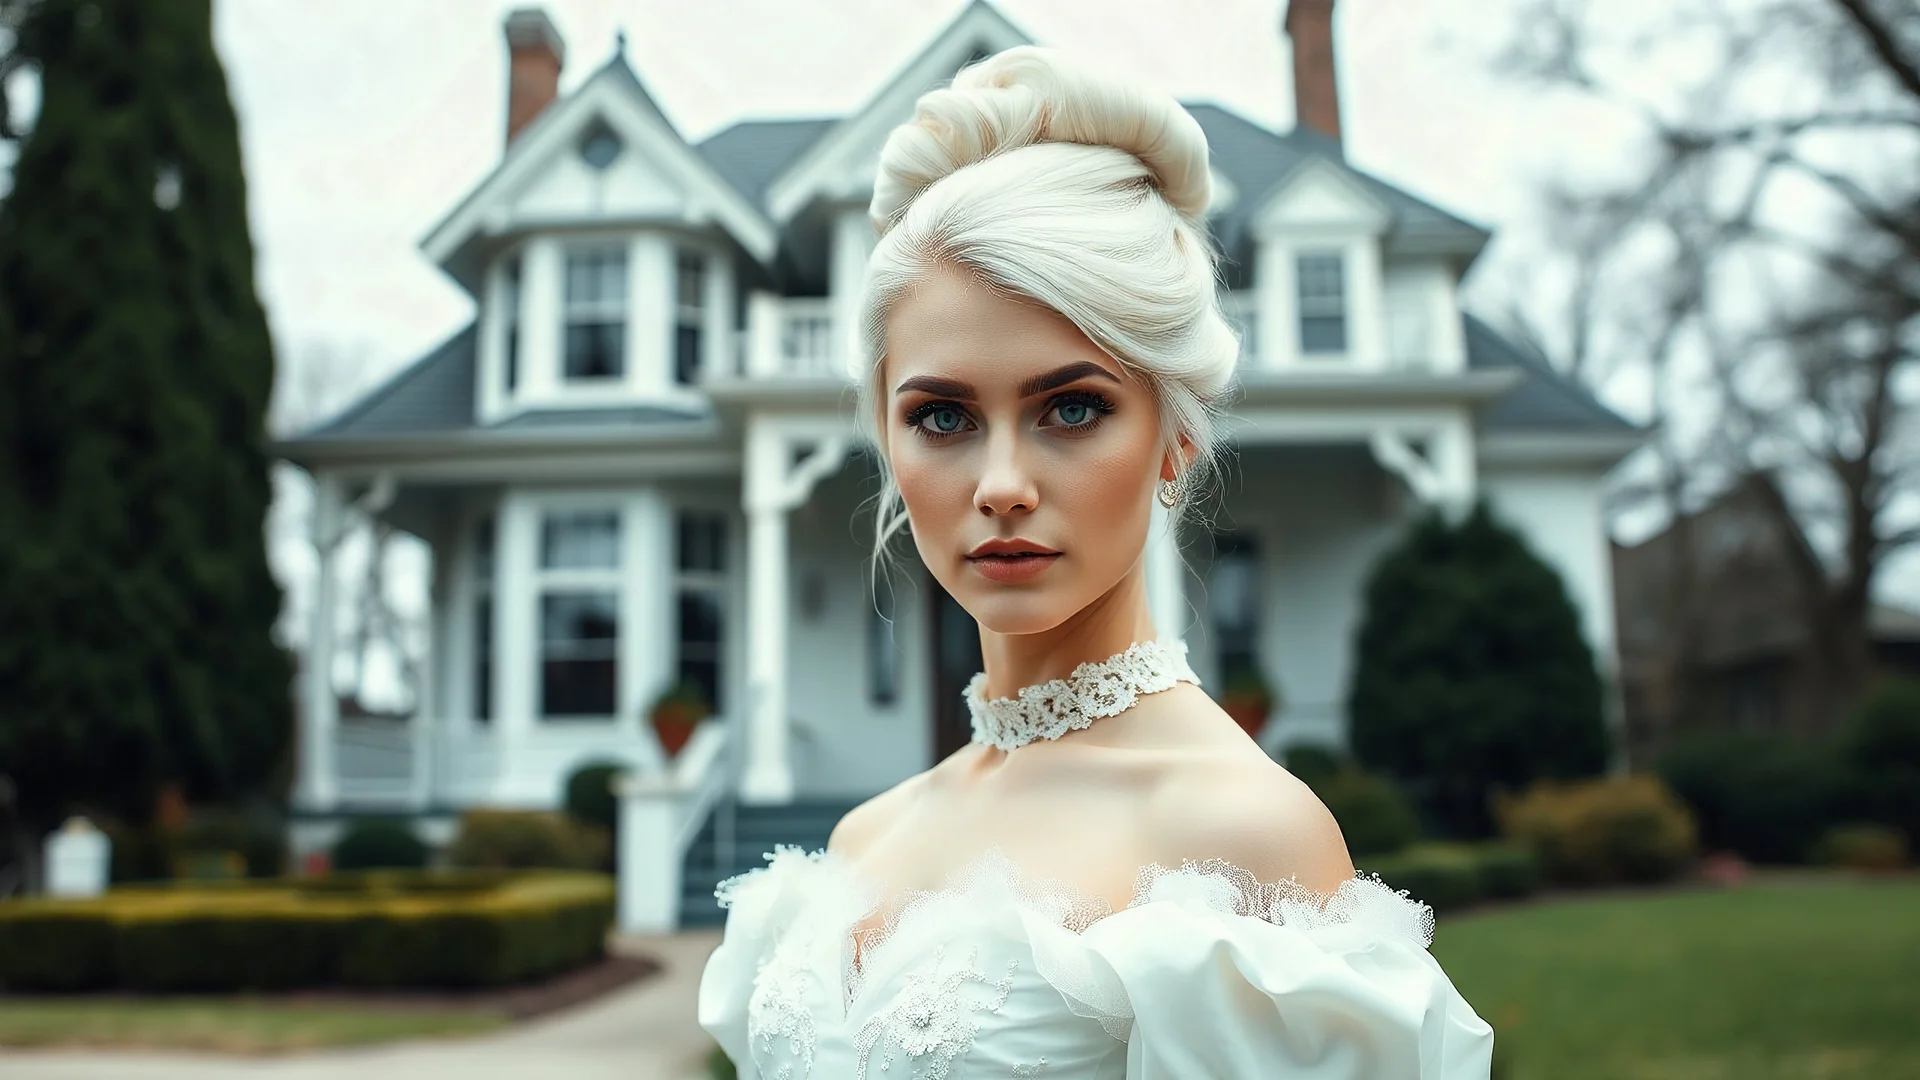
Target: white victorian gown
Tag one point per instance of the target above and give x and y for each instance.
(1207, 974)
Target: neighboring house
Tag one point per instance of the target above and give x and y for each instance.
(639, 465)
(1717, 641)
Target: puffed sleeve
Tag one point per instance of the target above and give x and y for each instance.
(1306, 987)
(760, 904)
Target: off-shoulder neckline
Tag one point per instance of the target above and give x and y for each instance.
(1363, 900)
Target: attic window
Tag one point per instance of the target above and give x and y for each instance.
(600, 146)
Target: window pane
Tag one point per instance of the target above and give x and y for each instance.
(580, 540)
(703, 542)
(596, 350)
(1321, 278)
(596, 279)
(511, 318)
(686, 354)
(699, 637)
(579, 645)
(1323, 334)
(483, 539)
(483, 659)
(705, 674)
(699, 618)
(690, 284)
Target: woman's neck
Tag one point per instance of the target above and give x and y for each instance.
(1100, 630)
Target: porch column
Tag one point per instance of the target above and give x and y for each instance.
(775, 484)
(319, 785)
(1166, 574)
(769, 775)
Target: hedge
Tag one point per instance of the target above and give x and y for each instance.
(395, 929)
(1450, 876)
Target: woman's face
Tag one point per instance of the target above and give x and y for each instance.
(1027, 457)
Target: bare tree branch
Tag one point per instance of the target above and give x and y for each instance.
(1881, 39)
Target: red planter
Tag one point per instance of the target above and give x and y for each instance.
(673, 724)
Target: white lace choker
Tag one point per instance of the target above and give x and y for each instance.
(1096, 689)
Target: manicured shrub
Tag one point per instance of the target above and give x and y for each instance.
(1507, 870)
(1880, 755)
(1374, 817)
(1313, 763)
(377, 929)
(589, 797)
(1863, 846)
(1472, 673)
(525, 839)
(1620, 829)
(379, 843)
(1446, 877)
(1766, 797)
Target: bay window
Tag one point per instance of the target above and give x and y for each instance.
(596, 314)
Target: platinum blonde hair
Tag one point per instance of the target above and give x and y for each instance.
(1072, 188)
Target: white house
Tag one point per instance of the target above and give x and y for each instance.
(638, 465)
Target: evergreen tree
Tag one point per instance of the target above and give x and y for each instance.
(136, 605)
(1472, 674)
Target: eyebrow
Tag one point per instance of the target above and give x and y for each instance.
(1039, 384)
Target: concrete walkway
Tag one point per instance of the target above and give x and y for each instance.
(644, 1032)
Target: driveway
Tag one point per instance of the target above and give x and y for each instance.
(644, 1032)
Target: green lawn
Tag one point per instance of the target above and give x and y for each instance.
(235, 1025)
(1801, 979)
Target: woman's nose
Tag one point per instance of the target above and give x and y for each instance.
(1006, 484)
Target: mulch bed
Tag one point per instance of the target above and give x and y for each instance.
(524, 1002)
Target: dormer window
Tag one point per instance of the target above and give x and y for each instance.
(1322, 278)
(689, 315)
(596, 306)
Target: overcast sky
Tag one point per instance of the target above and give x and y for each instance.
(363, 121)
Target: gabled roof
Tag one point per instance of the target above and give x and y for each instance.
(978, 28)
(1259, 161)
(614, 95)
(1546, 401)
(753, 153)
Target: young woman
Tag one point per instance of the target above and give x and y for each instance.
(1111, 880)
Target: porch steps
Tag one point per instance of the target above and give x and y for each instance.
(756, 830)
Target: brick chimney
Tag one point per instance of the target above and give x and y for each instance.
(535, 54)
(1316, 93)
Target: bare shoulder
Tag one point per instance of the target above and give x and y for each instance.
(1242, 807)
(858, 828)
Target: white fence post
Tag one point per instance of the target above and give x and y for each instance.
(78, 858)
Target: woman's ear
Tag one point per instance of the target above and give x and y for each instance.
(1176, 461)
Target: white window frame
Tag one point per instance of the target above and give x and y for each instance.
(1337, 306)
(712, 583)
(599, 579)
(617, 308)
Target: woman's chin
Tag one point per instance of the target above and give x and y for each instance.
(1008, 610)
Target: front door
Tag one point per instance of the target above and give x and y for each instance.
(956, 659)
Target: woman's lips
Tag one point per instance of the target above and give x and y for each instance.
(1011, 568)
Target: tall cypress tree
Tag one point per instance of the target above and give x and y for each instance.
(1471, 671)
(136, 605)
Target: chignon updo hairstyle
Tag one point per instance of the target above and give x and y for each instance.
(1074, 189)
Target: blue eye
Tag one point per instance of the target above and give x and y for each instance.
(1081, 411)
(938, 420)
(946, 420)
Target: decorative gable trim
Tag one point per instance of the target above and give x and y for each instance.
(613, 96)
(1321, 196)
(823, 171)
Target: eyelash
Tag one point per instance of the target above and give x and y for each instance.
(1098, 403)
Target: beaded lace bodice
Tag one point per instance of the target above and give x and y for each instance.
(1094, 690)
